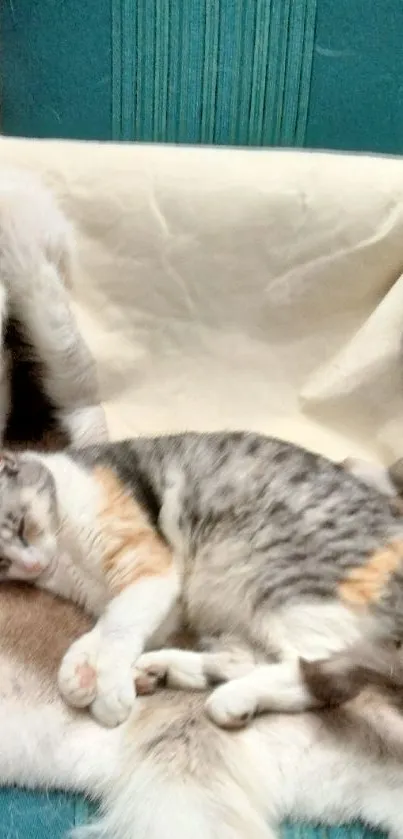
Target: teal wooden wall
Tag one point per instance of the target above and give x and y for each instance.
(317, 73)
(55, 68)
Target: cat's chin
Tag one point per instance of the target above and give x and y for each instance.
(29, 573)
(28, 576)
(34, 573)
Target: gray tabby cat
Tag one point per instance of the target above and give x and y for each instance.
(273, 548)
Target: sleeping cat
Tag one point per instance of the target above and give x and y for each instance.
(236, 535)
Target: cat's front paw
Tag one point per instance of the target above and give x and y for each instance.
(115, 695)
(232, 705)
(77, 677)
(91, 676)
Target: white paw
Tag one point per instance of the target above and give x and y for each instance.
(77, 676)
(227, 666)
(115, 695)
(175, 668)
(149, 673)
(90, 676)
(232, 705)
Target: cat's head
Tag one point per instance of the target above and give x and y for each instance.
(28, 517)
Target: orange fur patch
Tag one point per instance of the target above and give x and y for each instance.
(365, 584)
(131, 547)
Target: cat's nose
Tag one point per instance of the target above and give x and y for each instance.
(36, 567)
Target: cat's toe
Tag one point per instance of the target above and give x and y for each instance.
(111, 711)
(77, 678)
(115, 697)
(231, 706)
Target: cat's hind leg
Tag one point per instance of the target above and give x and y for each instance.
(249, 689)
(269, 687)
(309, 631)
(189, 670)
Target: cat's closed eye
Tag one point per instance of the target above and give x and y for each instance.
(4, 564)
(21, 531)
(15, 527)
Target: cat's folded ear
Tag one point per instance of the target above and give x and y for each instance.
(33, 472)
(8, 463)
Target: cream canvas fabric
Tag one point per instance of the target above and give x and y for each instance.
(238, 289)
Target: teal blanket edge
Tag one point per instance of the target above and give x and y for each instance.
(34, 815)
(26, 814)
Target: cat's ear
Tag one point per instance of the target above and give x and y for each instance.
(8, 463)
(35, 474)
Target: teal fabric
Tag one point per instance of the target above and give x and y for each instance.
(29, 815)
(314, 73)
(355, 831)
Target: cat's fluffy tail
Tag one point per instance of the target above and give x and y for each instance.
(36, 256)
(181, 778)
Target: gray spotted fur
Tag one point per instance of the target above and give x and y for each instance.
(265, 522)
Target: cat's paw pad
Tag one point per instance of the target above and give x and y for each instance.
(115, 694)
(77, 676)
(232, 705)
